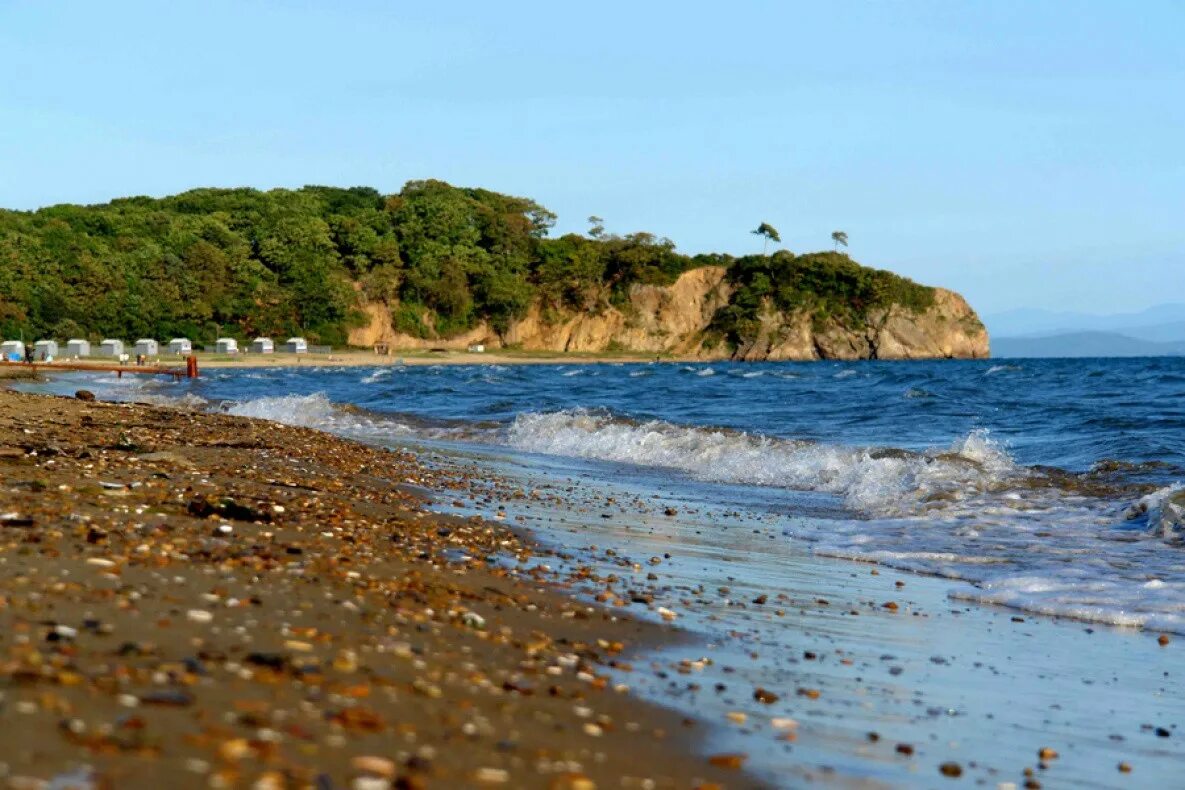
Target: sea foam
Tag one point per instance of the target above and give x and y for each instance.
(869, 480)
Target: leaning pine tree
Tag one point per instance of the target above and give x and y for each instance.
(770, 233)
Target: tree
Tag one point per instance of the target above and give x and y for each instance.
(769, 232)
(839, 237)
(596, 226)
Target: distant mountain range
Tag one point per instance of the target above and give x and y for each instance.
(1030, 332)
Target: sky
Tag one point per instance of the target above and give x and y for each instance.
(1026, 154)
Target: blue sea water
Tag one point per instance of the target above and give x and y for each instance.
(1019, 476)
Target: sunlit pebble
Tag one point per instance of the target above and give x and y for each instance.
(371, 764)
(197, 766)
(128, 700)
(491, 776)
(370, 783)
(199, 616)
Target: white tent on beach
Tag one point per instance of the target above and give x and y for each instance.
(180, 345)
(45, 349)
(110, 347)
(262, 345)
(11, 348)
(77, 347)
(148, 347)
(226, 345)
(297, 345)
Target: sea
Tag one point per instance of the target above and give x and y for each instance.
(945, 513)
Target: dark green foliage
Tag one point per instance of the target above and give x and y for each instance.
(242, 262)
(826, 285)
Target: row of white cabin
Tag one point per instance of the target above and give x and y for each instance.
(109, 347)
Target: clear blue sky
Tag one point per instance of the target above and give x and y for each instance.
(1024, 153)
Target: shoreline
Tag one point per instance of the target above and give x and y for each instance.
(196, 598)
(417, 357)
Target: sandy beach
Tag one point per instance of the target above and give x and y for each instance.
(205, 600)
(360, 358)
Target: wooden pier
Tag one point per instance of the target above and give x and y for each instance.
(190, 371)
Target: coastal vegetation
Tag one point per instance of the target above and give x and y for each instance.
(244, 262)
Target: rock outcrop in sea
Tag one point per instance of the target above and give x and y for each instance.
(677, 319)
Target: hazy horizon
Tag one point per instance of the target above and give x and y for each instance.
(1023, 155)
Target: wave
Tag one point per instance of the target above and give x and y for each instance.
(994, 369)
(377, 376)
(870, 480)
(1164, 512)
(309, 411)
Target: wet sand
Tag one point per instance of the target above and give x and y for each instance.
(203, 600)
(849, 674)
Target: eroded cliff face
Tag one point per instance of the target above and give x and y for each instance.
(948, 329)
(675, 319)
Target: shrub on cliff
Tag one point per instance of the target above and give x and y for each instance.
(825, 285)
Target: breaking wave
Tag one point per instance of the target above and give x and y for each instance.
(870, 480)
(309, 411)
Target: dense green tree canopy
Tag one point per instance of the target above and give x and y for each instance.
(242, 262)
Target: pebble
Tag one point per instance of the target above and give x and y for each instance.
(491, 776)
(951, 770)
(370, 783)
(372, 764)
(765, 697)
(199, 616)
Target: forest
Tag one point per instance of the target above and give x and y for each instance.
(244, 262)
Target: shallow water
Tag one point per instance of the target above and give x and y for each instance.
(1010, 481)
(950, 682)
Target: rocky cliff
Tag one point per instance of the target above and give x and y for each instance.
(677, 319)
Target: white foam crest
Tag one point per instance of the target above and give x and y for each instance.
(310, 411)
(377, 376)
(867, 480)
(1165, 511)
(994, 369)
(187, 402)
